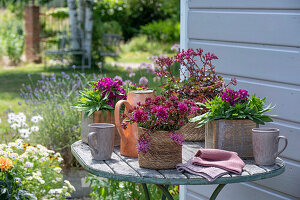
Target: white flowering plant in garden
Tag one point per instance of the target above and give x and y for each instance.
(37, 168)
(19, 126)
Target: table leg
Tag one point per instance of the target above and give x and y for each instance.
(163, 197)
(146, 191)
(217, 191)
(165, 191)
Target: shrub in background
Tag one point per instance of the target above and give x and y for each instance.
(11, 37)
(163, 30)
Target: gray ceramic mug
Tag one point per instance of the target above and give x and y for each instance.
(101, 140)
(265, 145)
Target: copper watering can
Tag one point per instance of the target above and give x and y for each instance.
(129, 136)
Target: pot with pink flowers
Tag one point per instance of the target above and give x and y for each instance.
(97, 103)
(159, 138)
(230, 120)
(199, 82)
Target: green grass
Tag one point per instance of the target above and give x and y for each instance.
(12, 79)
(138, 49)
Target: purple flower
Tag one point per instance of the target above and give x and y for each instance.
(19, 103)
(182, 107)
(161, 112)
(177, 138)
(143, 143)
(128, 68)
(118, 77)
(175, 47)
(131, 74)
(234, 97)
(143, 81)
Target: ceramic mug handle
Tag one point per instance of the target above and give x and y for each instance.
(285, 144)
(91, 138)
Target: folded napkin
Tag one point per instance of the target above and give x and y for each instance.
(227, 160)
(210, 173)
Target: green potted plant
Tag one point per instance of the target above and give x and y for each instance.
(159, 138)
(199, 83)
(230, 119)
(97, 104)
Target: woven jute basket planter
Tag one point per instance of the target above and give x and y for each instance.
(190, 133)
(230, 135)
(163, 152)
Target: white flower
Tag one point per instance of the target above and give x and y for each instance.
(19, 141)
(70, 185)
(40, 180)
(12, 144)
(0, 120)
(54, 181)
(29, 178)
(58, 179)
(15, 126)
(14, 156)
(55, 191)
(68, 194)
(24, 133)
(28, 164)
(34, 129)
(57, 169)
(22, 117)
(44, 159)
(37, 118)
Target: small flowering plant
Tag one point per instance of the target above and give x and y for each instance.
(200, 80)
(101, 95)
(161, 114)
(35, 169)
(235, 105)
(10, 185)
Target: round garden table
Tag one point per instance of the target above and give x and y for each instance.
(127, 169)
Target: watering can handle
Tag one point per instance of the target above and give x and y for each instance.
(117, 116)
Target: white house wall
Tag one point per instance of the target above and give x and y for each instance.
(258, 42)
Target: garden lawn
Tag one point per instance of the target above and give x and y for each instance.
(13, 78)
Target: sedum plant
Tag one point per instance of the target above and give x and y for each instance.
(160, 114)
(235, 105)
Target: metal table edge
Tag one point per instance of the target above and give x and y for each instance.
(179, 181)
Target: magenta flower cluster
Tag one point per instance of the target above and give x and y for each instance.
(161, 114)
(113, 87)
(234, 97)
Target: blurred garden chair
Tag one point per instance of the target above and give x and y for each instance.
(110, 45)
(63, 50)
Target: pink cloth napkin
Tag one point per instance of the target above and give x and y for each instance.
(210, 173)
(227, 160)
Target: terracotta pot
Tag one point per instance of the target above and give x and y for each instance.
(98, 117)
(130, 134)
(230, 135)
(163, 152)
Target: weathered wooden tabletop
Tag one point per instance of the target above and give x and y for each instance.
(127, 169)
